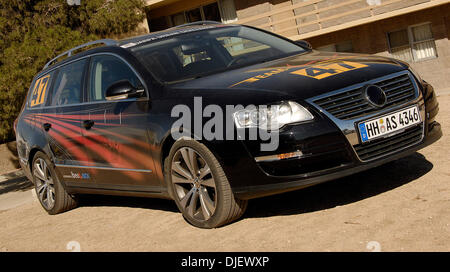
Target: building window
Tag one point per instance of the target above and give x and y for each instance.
(227, 11)
(209, 12)
(220, 11)
(158, 24)
(194, 15)
(346, 46)
(178, 19)
(414, 43)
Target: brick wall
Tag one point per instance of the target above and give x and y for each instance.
(243, 10)
(247, 8)
(372, 39)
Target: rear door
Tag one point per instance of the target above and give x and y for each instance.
(116, 132)
(62, 116)
(35, 133)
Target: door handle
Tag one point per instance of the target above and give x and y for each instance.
(87, 124)
(47, 126)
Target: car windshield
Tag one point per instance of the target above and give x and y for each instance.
(200, 53)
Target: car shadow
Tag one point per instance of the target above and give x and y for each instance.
(320, 197)
(344, 190)
(125, 201)
(15, 181)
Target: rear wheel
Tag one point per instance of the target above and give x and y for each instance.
(51, 194)
(200, 187)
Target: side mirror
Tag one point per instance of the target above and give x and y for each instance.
(304, 44)
(122, 89)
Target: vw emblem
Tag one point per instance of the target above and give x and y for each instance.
(375, 96)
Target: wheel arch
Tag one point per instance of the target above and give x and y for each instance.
(169, 141)
(36, 149)
(31, 155)
(165, 148)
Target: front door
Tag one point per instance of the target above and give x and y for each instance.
(115, 133)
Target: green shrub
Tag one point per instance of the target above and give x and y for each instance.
(33, 32)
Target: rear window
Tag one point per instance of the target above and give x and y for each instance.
(40, 90)
(68, 84)
(205, 52)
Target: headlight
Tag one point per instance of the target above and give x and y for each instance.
(272, 117)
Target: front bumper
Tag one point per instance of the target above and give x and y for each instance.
(249, 192)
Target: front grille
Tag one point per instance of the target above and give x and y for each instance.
(384, 146)
(351, 104)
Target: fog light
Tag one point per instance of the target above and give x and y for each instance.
(284, 156)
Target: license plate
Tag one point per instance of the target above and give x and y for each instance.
(387, 125)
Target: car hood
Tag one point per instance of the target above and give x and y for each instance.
(299, 77)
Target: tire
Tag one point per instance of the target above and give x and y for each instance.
(191, 193)
(49, 190)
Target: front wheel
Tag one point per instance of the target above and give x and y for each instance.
(200, 187)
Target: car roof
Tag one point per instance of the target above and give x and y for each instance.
(174, 31)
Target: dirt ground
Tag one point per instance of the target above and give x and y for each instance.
(8, 157)
(401, 206)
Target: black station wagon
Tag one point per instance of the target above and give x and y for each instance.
(103, 120)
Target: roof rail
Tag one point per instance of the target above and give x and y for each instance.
(199, 23)
(70, 52)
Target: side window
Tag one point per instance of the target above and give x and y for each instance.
(40, 91)
(106, 70)
(68, 86)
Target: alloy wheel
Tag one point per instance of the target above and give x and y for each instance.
(45, 187)
(194, 184)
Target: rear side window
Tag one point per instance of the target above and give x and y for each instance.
(40, 90)
(68, 84)
(106, 70)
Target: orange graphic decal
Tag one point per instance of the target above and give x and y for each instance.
(39, 91)
(318, 69)
(321, 71)
(263, 76)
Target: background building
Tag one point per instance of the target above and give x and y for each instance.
(416, 31)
